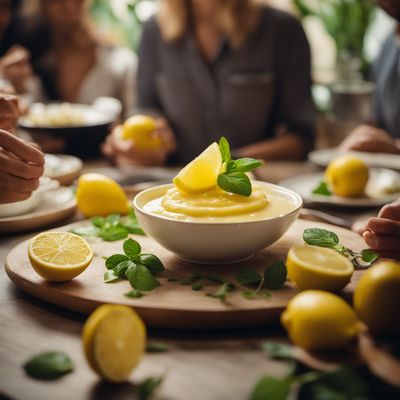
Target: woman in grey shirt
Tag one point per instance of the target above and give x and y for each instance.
(211, 68)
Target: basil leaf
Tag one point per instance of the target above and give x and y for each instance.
(122, 267)
(136, 294)
(157, 347)
(115, 233)
(115, 259)
(98, 222)
(247, 277)
(86, 231)
(135, 229)
(224, 149)
(320, 237)
(369, 256)
(272, 388)
(152, 262)
(322, 189)
(131, 248)
(278, 350)
(275, 276)
(235, 182)
(247, 164)
(198, 285)
(222, 292)
(141, 278)
(49, 365)
(110, 276)
(146, 389)
(230, 166)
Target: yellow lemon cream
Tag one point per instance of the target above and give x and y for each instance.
(217, 205)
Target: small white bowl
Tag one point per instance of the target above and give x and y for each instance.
(215, 242)
(24, 206)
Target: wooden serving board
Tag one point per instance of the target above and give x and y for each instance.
(172, 305)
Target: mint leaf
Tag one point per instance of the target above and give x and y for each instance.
(224, 149)
(49, 365)
(247, 277)
(320, 237)
(113, 219)
(157, 347)
(131, 248)
(191, 279)
(275, 276)
(86, 231)
(98, 222)
(230, 166)
(247, 164)
(110, 276)
(147, 389)
(369, 256)
(114, 260)
(272, 388)
(113, 233)
(136, 294)
(141, 278)
(278, 350)
(223, 291)
(152, 262)
(131, 223)
(122, 267)
(198, 285)
(235, 182)
(322, 189)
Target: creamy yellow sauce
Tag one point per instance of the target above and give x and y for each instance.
(219, 206)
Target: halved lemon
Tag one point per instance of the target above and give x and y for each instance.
(59, 256)
(201, 174)
(312, 267)
(114, 341)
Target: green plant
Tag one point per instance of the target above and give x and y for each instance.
(346, 21)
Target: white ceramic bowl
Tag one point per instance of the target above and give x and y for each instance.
(24, 206)
(215, 242)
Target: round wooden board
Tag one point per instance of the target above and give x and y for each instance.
(172, 305)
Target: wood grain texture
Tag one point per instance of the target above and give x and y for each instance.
(172, 305)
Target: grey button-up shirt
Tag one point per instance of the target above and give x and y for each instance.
(243, 94)
(387, 91)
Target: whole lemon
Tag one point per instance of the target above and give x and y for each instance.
(318, 320)
(99, 195)
(377, 298)
(347, 176)
(140, 129)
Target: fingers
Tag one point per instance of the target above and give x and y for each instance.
(381, 242)
(13, 166)
(16, 184)
(12, 197)
(382, 226)
(9, 112)
(391, 211)
(21, 148)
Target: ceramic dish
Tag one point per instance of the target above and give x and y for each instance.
(215, 242)
(63, 168)
(383, 187)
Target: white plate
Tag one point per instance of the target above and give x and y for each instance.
(324, 156)
(380, 180)
(55, 206)
(62, 167)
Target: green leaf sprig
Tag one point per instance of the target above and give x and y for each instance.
(234, 178)
(112, 228)
(322, 189)
(49, 365)
(148, 388)
(323, 238)
(139, 268)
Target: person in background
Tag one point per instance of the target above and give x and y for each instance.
(212, 68)
(21, 164)
(72, 63)
(383, 135)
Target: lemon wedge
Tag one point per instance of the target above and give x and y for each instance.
(312, 267)
(114, 341)
(201, 174)
(59, 256)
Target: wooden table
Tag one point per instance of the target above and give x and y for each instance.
(201, 365)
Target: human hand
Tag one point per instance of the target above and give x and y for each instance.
(21, 166)
(383, 233)
(124, 152)
(15, 67)
(9, 112)
(370, 139)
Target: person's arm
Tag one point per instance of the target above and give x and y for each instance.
(295, 111)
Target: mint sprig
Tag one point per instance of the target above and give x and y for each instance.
(137, 268)
(322, 189)
(324, 238)
(111, 228)
(234, 179)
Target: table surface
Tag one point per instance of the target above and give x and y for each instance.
(200, 365)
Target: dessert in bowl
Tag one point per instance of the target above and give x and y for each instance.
(205, 218)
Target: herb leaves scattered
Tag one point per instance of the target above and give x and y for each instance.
(323, 238)
(138, 268)
(234, 179)
(49, 365)
(111, 228)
